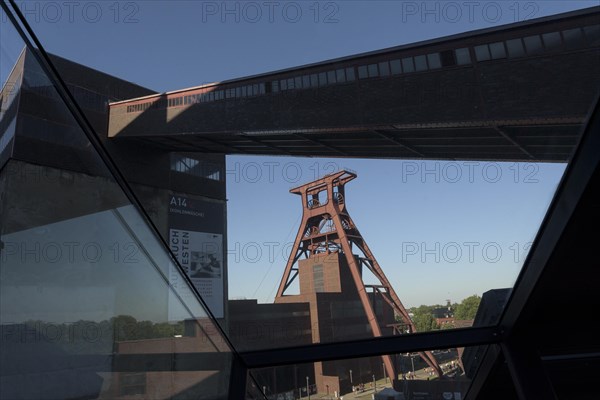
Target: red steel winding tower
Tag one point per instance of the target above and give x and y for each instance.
(329, 254)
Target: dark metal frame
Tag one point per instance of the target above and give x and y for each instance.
(524, 365)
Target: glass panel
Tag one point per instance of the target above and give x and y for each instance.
(434, 60)
(408, 65)
(420, 63)
(323, 79)
(314, 80)
(373, 71)
(448, 58)
(306, 81)
(396, 67)
(340, 76)
(384, 68)
(331, 77)
(515, 48)
(592, 33)
(363, 72)
(298, 82)
(552, 40)
(573, 38)
(92, 303)
(274, 88)
(463, 56)
(497, 50)
(350, 74)
(533, 44)
(482, 53)
(393, 376)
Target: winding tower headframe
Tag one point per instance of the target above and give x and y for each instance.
(327, 227)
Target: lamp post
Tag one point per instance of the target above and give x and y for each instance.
(383, 372)
(351, 377)
(307, 388)
(412, 361)
(374, 384)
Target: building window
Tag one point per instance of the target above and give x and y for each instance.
(373, 72)
(552, 40)
(592, 33)
(420, 63)
(340, 76)
(200, 168)
(290, 84)
(306, 81)
(323, 79)
(331, 77)
(407, 65)
(298, 82)
(362, 72)
(350, 74)
(573, 38)
(482, 53)
(318, 280)
(384, 68)
(463, 56)
(314, 80)
(434, 60)
(396, 67)
(533, 45)
(515, 48)
(497, 50)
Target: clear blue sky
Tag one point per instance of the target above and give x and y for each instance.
(172, 45)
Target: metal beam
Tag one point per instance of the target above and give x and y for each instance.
(513, 141)
(399, 143)
(526, 370)
(316, 141)
(372, 347)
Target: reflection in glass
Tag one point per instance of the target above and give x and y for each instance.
(92, 305)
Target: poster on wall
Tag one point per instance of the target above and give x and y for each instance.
(196, 229)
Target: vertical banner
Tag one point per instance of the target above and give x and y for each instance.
(196, 229)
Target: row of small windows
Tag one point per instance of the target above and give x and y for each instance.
(338, 76)
(381, 69)
(537, 44)
(529, 45)
(242, 91)
(341, 75)
(420, 63)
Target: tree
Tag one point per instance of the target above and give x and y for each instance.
(424, 322)
(467, 308)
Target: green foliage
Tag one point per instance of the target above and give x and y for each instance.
(425, 322)
(467, 308)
